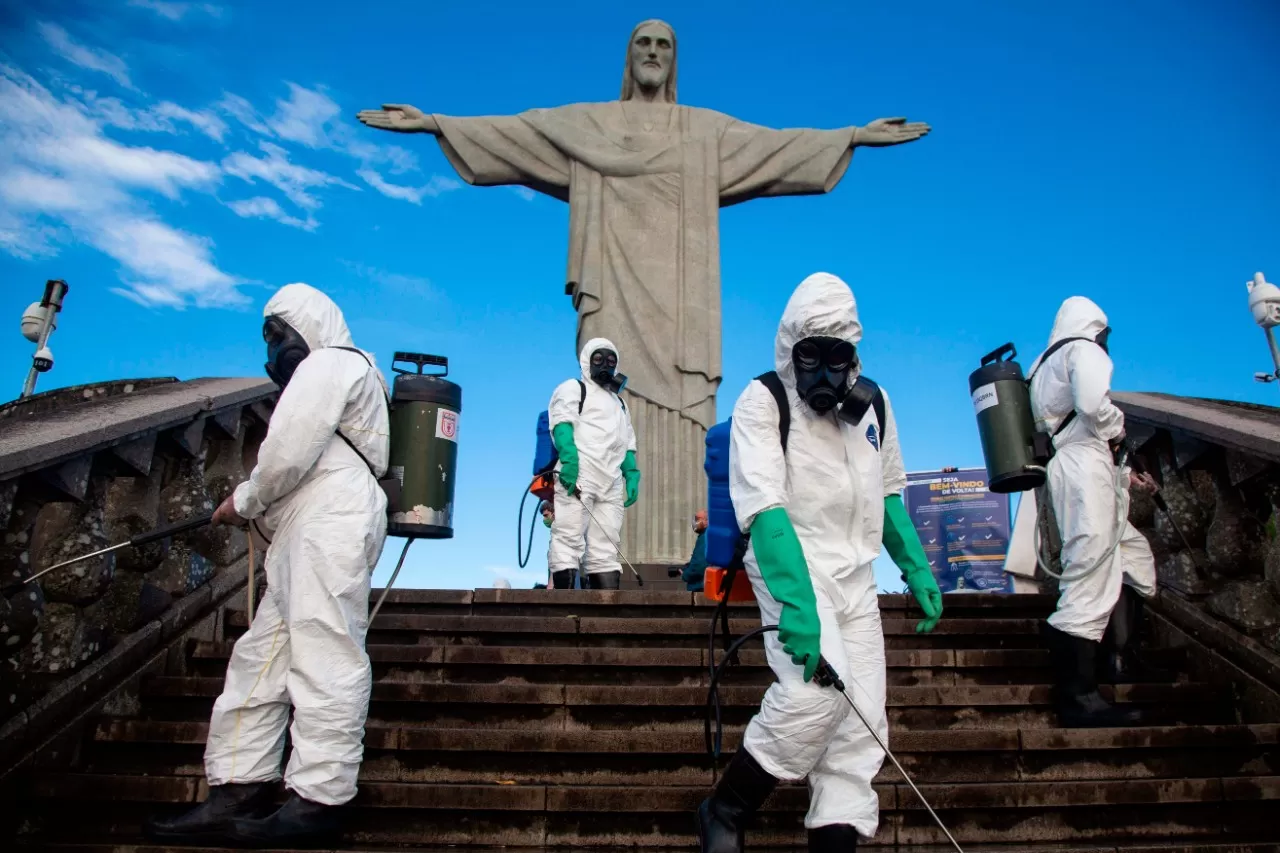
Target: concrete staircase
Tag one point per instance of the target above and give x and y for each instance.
(540, 719)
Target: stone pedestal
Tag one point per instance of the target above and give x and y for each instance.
(658, 528)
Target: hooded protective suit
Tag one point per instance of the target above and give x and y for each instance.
(832, 481)
(1082, 475)
(603, 435)
(325, 515)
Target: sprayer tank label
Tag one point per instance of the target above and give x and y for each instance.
(984, 397)
(446, 424)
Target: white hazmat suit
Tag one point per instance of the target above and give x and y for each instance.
(1083, 477)
(832, 481)
(603, 435)
(326, 518)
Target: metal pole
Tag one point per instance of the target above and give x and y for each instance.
(1275, 350)
(616, 546)
(54, 291)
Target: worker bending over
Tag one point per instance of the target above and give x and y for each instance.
(1107, 565)
(314, 495)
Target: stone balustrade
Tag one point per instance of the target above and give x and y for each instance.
(86, 467)
(1218, 467)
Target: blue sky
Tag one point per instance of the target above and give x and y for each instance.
(177, 161)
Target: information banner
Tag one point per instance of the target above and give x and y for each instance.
(964, 528)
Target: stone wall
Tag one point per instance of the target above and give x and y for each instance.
(112, 489)
(1218, 467)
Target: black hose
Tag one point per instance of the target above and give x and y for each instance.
(713, 691)
(523, 556)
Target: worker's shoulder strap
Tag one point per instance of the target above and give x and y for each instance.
(865, 393)
(773, 382)
(582, 397)
(338, 431)
(368, 361)
(1057, 345)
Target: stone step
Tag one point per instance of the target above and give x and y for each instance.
(466, 755)
(1173, 846)
(676, 603)
(666, 707)
(574, 664)
(391, 813)
(1050, 847)
(630, 631)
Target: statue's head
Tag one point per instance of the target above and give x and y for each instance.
(651, 61)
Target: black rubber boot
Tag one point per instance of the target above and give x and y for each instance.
(837, 838)
(605, 580)
(299, 822)
(562, 579)
(1076, 697)
(723, 817)
(1121, 659)
(209, 822)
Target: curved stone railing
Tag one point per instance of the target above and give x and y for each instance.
(1217, 550)
(85, 467)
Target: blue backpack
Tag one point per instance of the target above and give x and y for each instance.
(726, 544)
(545, 455)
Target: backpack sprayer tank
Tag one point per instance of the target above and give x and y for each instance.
(424, 448)
(1015, 453)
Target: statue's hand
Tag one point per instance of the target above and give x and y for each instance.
(890, 131)
(402, 118)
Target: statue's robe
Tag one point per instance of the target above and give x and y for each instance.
(644, 183)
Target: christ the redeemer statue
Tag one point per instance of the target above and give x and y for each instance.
(645, 178)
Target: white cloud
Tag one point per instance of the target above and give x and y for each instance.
(175, 11)
(164, 117)
(204, 121)
(405, 284)
(86, 57)
(295, 181)
(524, 193)
(304, 117)
(60, 173)
(518, 578)
(242, 111)
(173, 267)
(433, 188)
(310, 117)
(262, 207)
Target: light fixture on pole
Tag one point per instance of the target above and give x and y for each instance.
(38, 323)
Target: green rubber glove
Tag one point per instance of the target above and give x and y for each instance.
(786, 574)
(903, 544)
(631, 474)
(562, 438)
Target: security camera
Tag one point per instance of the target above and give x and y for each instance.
(1264, 302)
(1263, 377)
(33, 321)
(43, 362)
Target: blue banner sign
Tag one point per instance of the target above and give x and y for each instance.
(964, 528)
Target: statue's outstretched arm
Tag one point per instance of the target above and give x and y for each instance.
(887, 131)
(401, 118)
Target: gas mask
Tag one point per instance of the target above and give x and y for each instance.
(604, 366)
(285, 350)
(822, 366)
(1101, 339)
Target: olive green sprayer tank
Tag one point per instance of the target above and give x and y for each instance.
(424, 448)
(1002, 404)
